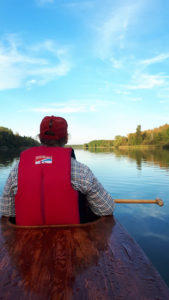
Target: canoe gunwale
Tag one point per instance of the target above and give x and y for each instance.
(59, 226)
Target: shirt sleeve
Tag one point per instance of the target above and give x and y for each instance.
(83, 180)
(7, 201)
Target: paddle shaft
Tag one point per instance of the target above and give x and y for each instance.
(133, 201)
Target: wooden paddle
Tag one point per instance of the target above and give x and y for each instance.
(156, 201)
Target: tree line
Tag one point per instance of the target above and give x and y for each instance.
(157, 136)
(10, 140)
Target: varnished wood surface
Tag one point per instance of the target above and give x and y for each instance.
(95, 261)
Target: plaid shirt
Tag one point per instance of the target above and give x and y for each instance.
(82, 179)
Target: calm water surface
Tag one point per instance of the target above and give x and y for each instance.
(129, 174)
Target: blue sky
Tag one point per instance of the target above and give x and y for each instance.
(102, 65)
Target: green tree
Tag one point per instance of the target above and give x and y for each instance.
(120, 141)
(138, 135)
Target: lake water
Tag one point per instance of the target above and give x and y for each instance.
(130, 174)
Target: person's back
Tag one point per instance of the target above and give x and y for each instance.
(45, 195)
(49, 186)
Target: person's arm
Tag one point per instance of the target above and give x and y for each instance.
(7, 201)
(83, 180)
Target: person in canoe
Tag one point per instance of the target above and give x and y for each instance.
(49, 186)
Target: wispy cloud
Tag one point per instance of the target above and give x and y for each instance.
(136, 99)
(121, 92)
(165, 101)
(63, 110)
(23, 66)
(112, 26)
(163, 95)
(116, 63)
(146, 81)
(69, 107)
(156, 59)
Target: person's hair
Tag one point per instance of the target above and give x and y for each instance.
(60, 143)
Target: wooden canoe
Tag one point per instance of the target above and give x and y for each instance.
(98, 260)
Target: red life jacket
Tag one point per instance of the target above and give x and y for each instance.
(45, 194)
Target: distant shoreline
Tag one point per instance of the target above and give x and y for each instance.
(82, 147)
(119, 147)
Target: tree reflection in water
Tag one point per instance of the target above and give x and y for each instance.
(156, 156)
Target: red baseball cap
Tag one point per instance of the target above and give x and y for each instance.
(53, 128)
